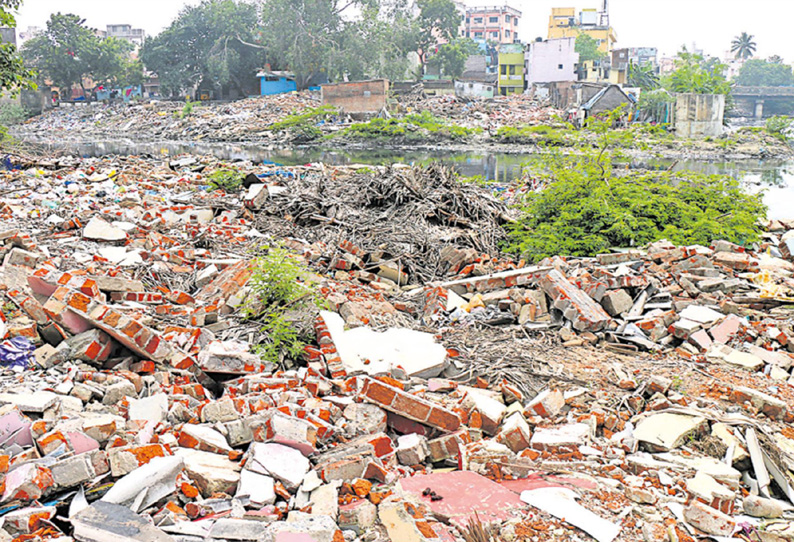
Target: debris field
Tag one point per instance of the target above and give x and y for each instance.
(445, 390)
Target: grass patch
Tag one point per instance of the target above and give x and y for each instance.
(305, 125)
(228, 180)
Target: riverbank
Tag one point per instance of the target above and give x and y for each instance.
(514, 125)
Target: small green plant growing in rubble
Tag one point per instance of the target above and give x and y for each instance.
(228, 180)
(281, 291)
(187, 109)
(413, 127)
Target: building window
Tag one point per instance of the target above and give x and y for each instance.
(559, 66)
(503, 69)
(493, 19)
(478, 20)
(478, 34)
(494, 34)
(507, 19)
(516, 21)
(507, 33)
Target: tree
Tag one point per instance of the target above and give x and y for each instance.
(438, 21)
(13, 74)
(743, 45)
(451, 57)
(643, 77)
(776, 59)
(587, 47)
(215, 43)
(761, 73)
(697, 75)
(64, 51)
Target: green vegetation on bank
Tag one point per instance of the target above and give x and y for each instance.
(304, 126)
(413, 127)
(587, 207)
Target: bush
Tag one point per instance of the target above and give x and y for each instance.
(304, 125)
(12, 113)
(187, 109)
(541, 135)
(229, 180)
(586, 209)
(779, 127)
(279, 289)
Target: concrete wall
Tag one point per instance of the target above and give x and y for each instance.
(699, 115)
(552, 61)
(357, 97)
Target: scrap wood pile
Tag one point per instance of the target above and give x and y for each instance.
(398, 217)
(521, 393)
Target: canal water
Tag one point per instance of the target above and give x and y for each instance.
(775, 178)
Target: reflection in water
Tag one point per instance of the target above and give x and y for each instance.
(775, 178)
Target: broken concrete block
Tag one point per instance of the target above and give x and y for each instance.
(365, 418)
(485, 412)
(118, 391)
(150, 409)
(412, 449)
(575, 305)
(515, 433)
(211, 473)
(99, 230)
(666, 431)
(27, 482)
(27, 520)
(616, 302)
(230, 357)
(73, 471)
(104, 521)
(569, 436)
(759, 507)
(325, 501)
(283, 463)
(219, 411)
(36, 402)
(708, 519)
(203, 437)
(358, 516)
(259, 488)
(707, 490)
(771, 406)
(547, 403)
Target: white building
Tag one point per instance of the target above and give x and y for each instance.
(551, 61)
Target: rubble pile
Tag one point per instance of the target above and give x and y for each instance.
(640, 395)
(243, 120)
(513, 110)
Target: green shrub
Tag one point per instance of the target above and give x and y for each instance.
(12, 113)
(187, 109)
(279, 289)
(779, 127)
(229, 180)
(304, 125)
(586, 209)
(545, 135)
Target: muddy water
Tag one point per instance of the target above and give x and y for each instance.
(775, 178)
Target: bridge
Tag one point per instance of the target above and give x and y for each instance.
(758, 102)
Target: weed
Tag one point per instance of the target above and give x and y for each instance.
(187, 109)
(280, 290)
(779, 127)
(228, 180)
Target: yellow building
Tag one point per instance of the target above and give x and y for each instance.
(511, 69)
(563, 23)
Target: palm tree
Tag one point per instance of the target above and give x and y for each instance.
(743, 46)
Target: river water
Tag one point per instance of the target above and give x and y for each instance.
(775, 178)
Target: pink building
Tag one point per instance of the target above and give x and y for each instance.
(493, 23)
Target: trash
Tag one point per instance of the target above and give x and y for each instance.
(17, 353)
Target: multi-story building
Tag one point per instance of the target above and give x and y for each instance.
(563, 23)
(493, 23)
(511, 69)
(125, 32)
(551, 61)
(623, 58)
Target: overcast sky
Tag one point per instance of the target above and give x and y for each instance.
(665, 24)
